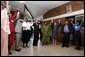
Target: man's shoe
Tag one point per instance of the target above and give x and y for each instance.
(63, 46)
(77, 48)
(67, 46)
(17, 49)
(10, 53)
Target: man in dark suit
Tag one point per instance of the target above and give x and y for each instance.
(72, 30)
(66, 31)
(36, 33)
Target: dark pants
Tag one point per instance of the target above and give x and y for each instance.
(50, 39)
(9, 48)
(36, 37)
(73, 38)
(26, 36)
(66, 39)
(77, 39)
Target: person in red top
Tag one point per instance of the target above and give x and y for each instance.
(12, 30)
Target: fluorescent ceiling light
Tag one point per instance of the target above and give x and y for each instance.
(21, 1)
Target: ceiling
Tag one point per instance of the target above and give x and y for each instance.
(37, 8)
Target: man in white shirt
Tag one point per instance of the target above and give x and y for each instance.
(26, 32)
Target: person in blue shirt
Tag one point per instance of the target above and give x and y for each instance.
(77, 27)
(66, 31)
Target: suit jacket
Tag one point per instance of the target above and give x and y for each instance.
(18, 27)
(71, 28)
(36, 27)
(68, 28)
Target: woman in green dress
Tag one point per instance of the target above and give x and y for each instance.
(46, 32)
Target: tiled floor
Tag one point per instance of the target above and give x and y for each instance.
(48, 50)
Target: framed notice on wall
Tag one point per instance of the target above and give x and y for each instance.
(68, 9)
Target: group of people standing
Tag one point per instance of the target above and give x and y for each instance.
(70, 29)
(15, 31)
(46, 32)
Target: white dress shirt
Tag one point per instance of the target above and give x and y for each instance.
(26, 25)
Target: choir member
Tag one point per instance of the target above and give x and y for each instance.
(54, 31)
(18, 30)
(36, 33)
(66, 37)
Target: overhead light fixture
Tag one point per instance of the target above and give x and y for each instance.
(21, 1)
